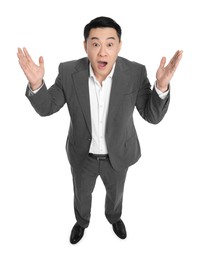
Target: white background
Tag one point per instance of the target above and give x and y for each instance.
(163, 195)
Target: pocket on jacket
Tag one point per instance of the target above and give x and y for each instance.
(132, 151)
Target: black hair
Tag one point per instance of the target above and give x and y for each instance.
(102, 22)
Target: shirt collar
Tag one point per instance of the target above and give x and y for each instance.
(110, 75)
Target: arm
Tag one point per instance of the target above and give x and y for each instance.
(48, 101)
(149, 104)
(45, 101)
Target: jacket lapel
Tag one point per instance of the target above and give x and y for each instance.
(80, 79)
(119, 84)
(120, 81)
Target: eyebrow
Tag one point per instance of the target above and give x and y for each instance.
(96, 38)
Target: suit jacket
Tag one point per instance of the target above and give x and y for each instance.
(130, 89)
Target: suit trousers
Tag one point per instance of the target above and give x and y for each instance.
(84, 180)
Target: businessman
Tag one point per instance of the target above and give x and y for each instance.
(101, 92)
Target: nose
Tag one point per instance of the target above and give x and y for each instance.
(102, 51)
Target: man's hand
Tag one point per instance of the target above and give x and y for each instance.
(165, 73)
(33, 72)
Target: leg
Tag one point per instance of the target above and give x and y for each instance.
(84, 182)
(114, 184)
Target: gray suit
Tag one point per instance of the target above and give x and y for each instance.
(130, 89)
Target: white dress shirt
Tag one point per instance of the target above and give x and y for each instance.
(99, 105)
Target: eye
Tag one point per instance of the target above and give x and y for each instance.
(95, 44)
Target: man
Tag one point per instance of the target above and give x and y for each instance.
(101, 92)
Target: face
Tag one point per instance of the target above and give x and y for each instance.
(102, 48)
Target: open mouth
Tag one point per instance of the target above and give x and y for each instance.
(102, 64)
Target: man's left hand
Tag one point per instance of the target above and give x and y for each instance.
(164, 73)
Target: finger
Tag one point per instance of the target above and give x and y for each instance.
(162, 63)
(21, 58)
(177, 55)
(27, 54)
(23, 64)
(176, 59)
(20, 53)
(41, 61)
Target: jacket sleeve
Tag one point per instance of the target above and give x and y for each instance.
(48, 101)
(150, 106)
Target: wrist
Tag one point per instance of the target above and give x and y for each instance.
(36, 85)
(161, 87)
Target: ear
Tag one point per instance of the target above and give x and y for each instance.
(120, 44)
(85, 46)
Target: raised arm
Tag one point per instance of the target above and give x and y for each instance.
(33, 72)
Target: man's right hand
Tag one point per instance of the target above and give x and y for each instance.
(33, 72)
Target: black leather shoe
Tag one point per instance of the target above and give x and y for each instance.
(119, 229)
(76, 234)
